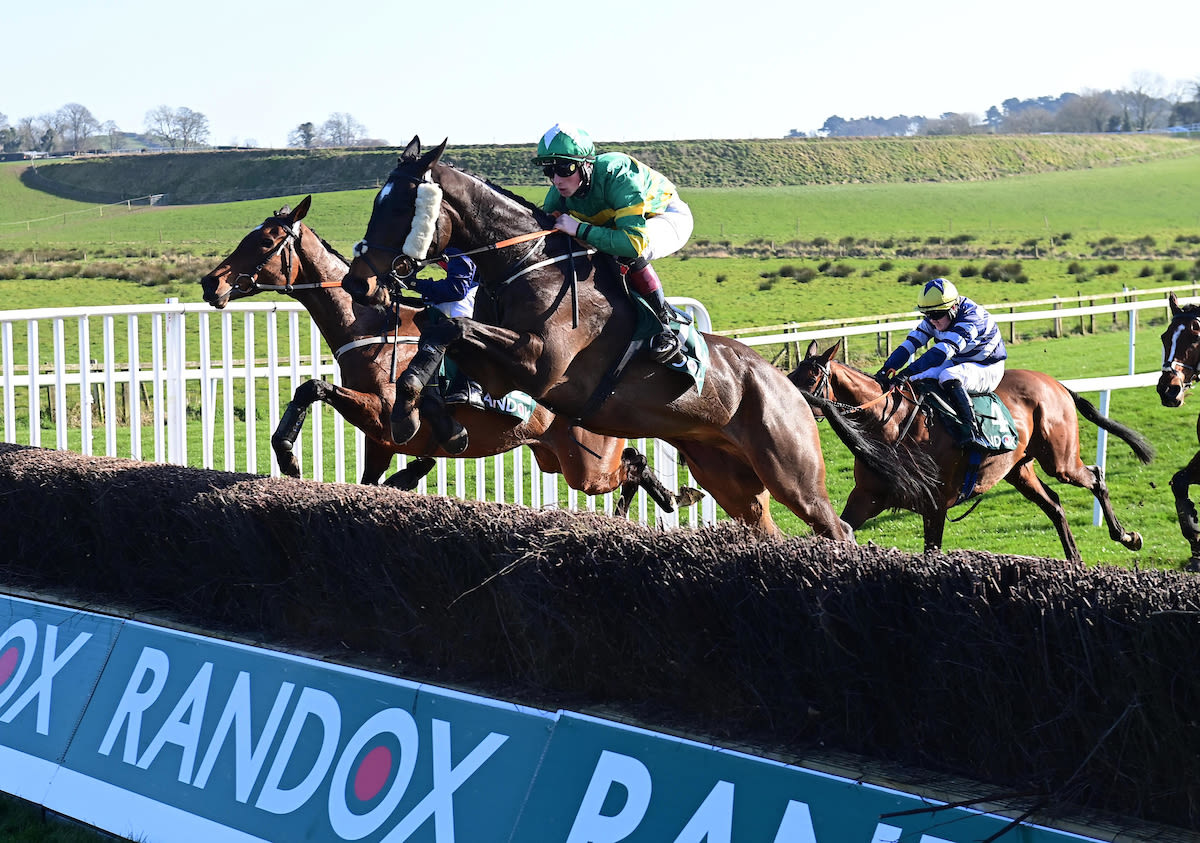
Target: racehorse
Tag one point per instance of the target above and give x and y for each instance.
(1043, 410)
(1181, 360)
(560, 322)
(286, 256)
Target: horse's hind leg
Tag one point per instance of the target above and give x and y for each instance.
(1185, 510)
(1026, 481)
(1099, 489)
(1091, 477)
(639, 475)
(408, 477)
(734, 486)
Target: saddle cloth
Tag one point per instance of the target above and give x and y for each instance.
(995, 420)
(452, 382)
(695, 350)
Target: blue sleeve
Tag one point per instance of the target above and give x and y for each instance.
(460, 278)
(897, 358)
(936, 356)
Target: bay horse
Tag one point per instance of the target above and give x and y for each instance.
(286, 256)
(1181, 360)
(1043, 410)
(561, 320)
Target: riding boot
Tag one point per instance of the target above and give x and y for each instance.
(423, 366)
(665, 347)
(447, 430)
(458, 391)
(970, 435)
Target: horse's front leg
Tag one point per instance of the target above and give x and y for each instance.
(1185, 510)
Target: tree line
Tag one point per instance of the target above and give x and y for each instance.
(1147, 103)
(73, 128)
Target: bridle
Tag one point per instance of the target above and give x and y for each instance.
(247, 283)
(1188, 373)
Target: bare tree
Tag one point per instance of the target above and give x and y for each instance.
(1088, 112)
(1029, 121)
(26, 134)
(303, 136)
(109, 129)
(50, 129)
(193, 127)
(1144, 100)
(952, 123)
(341, 130)
(78, 125)
(179, 128)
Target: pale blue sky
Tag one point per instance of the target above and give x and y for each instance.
(482, 71)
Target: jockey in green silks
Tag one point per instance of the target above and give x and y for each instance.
(621, 207)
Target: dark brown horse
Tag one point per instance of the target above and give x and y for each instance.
(286, 256)
(560, 322)
(1045, 415)
(1180, 370)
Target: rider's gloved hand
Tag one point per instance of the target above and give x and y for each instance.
(886, 378)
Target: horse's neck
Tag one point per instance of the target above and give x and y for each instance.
(332, 309)
(484, 216)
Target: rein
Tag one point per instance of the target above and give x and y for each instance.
(287, 252)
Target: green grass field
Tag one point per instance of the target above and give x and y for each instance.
(1083, 225)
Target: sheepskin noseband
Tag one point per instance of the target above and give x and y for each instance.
(424, 224)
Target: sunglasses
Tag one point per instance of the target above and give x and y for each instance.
(562, 169)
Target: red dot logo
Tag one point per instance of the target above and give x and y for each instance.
(372, 774)
(8, 664)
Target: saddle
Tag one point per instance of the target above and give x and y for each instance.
(995, 421)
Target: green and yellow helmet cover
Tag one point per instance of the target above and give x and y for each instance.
(563, 142)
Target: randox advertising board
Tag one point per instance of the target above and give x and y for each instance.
(161, 735)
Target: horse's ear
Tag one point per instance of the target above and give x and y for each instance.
(1173, 300)
(411, 151)
(831, 351)
(811, 351)
(431, 157)
(302, 209)
(284, 211)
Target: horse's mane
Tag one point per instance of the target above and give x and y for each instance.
(330, 248)
(536, 210)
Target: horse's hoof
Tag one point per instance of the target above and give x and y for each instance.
(1193, 565)
(404, 426)
(288, 464)
(456, 442)
(1132, 540)
(687, 496)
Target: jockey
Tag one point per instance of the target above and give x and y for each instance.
(967, 355)
(621, 207)
(453, 295)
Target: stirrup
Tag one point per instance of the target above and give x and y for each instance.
(666, 347)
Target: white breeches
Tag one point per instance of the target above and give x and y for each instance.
(975, 378)
(667, 232)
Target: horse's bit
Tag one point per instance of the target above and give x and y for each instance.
(1174, 366)
(286, 249)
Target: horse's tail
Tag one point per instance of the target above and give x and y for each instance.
(911, 475)
(1140, 445)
